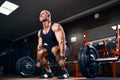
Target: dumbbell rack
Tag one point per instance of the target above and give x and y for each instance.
(115, 52)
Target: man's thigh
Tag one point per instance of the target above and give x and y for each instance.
(42, 52)
(55, 50)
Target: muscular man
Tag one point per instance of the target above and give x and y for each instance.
(51, 45)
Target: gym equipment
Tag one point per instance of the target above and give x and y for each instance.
(108, 51)
(88, 60)
(24, 66)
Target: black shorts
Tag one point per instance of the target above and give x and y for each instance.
(51, 57)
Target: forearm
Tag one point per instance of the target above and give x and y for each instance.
(62, 48)
(39, 47)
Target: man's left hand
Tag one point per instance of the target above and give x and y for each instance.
(62, 63)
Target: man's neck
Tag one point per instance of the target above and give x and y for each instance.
(46, 24)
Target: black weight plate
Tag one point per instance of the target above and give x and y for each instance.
(86, 61)
(25, 66)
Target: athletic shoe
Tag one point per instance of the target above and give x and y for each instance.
(46, 75)
(63, 75)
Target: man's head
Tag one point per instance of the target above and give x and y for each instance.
(45, 16)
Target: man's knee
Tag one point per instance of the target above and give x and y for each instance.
(55, 49)
(41, 52)
(56, 52)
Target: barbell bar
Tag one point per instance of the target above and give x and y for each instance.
(96, 60)
(88, 63)
(25, 66)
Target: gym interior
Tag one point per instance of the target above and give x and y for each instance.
(86, 23)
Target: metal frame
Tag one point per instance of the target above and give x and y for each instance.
(105, 51)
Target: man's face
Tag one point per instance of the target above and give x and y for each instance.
(43, 16)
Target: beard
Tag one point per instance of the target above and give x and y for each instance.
(44, 20)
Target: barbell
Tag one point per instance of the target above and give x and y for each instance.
(88, 63)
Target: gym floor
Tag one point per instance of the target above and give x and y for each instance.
(71, 78)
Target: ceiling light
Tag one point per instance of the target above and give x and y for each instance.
(110, 39)
(114, 27)
(84, 36)
(96, 16)
(100, 43)
(73, 39)
(8, 7)
(91, 43)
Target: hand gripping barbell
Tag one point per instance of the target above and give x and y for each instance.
(88, 63)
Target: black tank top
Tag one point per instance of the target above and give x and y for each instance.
(49, 39)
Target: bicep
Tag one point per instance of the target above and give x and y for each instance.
(59, 33)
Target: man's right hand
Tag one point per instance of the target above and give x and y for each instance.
(38, 64)
(62, 63)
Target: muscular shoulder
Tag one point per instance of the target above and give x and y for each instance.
(56, 27)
